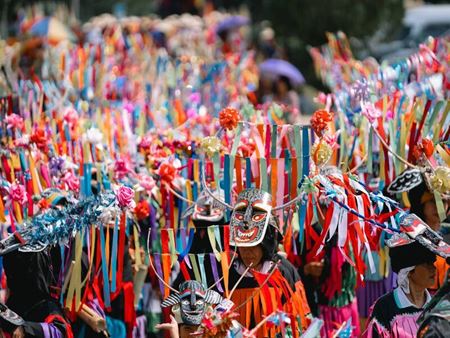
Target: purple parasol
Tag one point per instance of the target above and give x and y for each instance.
(232, 22)
(282, 68)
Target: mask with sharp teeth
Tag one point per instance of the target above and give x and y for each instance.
(191, 301)
(250, 218)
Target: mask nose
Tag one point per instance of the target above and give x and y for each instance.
(248, 217)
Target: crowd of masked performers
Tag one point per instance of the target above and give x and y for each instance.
(261, 281)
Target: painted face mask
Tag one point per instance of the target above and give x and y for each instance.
(191, 301)
(206, 209)
(250, 218)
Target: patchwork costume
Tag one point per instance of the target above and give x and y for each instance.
(277, 286)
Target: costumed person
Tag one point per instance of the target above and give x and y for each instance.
(29, 278)
(435, 319)
(89, 321)
(329, 280)
(188, 307)
(206, 214)
(261, 280)
(421, 196)
(395, 314)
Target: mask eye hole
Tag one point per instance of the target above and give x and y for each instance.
(258, 217)
(185, 302)
(239, 216)
(200, 302)
(200, 208)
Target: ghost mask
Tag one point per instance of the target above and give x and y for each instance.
(250, 218)
(191, 301)
(206, 211)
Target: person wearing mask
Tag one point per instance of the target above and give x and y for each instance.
(188, 307)
(260, 278)
(395, 314)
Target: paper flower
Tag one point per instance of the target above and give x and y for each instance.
(125, 197)
(229, 118)
(146, 143)
(321, 98)
(309, 186)
(108, 214)
(440, 180)
(210, 145)
(422, 150)
(320, 120)
(14, 121)
(93, 136)
(71, 117)
(72, 181)
(56, 165)
(39, 137)
(428, 147)
(44, 204)
(146, 182)
(142, 210)
(121, 168)
(17, 193)
(321, 153)
(22, 141)
(361, 90)
(370, 111)
(167, 173)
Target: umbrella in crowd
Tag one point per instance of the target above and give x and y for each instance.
(278, 67)
(52, 29)
(232, 22)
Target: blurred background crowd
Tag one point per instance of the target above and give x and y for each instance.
(384, 30)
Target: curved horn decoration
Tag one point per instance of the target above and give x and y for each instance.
(209, 192)
(178, 195)
(288, 204)
(213, 297)
(171, 300)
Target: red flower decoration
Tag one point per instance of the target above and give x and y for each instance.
(44, 204)
(167, 173)
(229, 118)
(320, 120)
(426, 147)
(39, 137)
(142, 210)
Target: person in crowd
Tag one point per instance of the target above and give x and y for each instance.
(260, 278)
(28, 281)
(424, 205)
(435, 319)
(188, 306)
(395, 314)
(329, 280)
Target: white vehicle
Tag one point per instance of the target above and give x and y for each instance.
(417, 25)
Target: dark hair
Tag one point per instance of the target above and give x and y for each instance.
(415, 198)
(286, 80)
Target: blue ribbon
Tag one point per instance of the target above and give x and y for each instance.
(106, 293)
(114, 255)
(188, 247)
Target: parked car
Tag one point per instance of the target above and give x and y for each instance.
(418, 24)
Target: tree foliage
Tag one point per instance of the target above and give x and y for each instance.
(302, 23)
